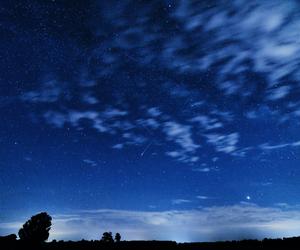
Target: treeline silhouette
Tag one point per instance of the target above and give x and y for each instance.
(284, 244)
(35, 232)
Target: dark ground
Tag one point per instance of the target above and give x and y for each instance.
(285, 244)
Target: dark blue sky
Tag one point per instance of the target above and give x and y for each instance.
(158, 119)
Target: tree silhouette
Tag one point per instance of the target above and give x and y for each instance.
(37, 228)
(117, 237)
(10, 237)
(107, 237)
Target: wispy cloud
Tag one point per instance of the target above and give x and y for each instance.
(226, 143)
(227, 53)
(267, 146)
(154, 112)
(134, 139)
(90, 162)
(101, 120)
(56, 119)
(204, 170)
(113, 112)
(48, 92)
(206, 122)
(210, 39)
(75, 117)
(89, 98)
(278, 93)
(226, 48)
(229, 87)
(202, 197)
(274, 49)
(148, 123)
(118, 146)
(182, 156)
(180, 201)
(181, 134)
(265, 112)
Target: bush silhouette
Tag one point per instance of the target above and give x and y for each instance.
(117, 237)
(107, 237)
(8, 238)
(37, 228)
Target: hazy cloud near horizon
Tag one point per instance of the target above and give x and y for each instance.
(241, 221)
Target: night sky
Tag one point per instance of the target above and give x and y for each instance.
(174, 120)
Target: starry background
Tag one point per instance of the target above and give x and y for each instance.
(158, 119)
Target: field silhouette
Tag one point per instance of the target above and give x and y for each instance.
(284, 244)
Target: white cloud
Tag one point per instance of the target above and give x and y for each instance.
(56, 119)
(204, 170)
(134, 139)
(224, 143)
(229, 87)
(202, 197)
(113, 112)
(118, 146)
(123, 125)
(174, 154)
(207, 122)
(75, 117)
(267, 146)
(252, 39)
(197, 104)
(86, 81)
(180, 201)
(89, 98)
(251, 114)
(149, 123)
(100, 120)
(181, 134)
(177, 90)
(278, 93)
(270, 147)
(272, 50)
(266, 184)
(90, 162)
(241, 152)
(154, 111)
(283, 205)
(223, 115)
(183, 156)
(264, 112)
(49, 91)
(295, 144)
(214, 159)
